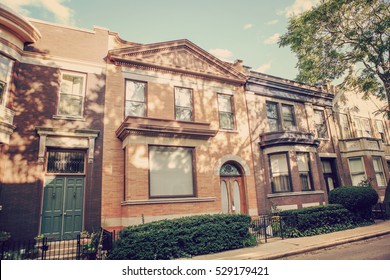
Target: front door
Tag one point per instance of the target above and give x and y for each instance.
(62, 209)
(233, 199)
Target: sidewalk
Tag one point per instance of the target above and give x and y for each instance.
(278, 248)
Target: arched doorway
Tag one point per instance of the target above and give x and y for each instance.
(233, 199)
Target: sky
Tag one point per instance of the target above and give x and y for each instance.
(229, 29)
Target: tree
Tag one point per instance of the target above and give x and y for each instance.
(347, 40)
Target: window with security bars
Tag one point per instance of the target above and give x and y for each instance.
(65, 162)
(183, 104)
(71, 98)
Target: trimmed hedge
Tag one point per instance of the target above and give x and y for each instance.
(316, 220)
(359, 200)
(183, 237)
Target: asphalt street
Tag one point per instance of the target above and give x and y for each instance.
(370, 249)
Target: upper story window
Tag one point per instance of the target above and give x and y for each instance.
(344, 126)
(183, 104)
(277, 123)
(135, 99)
(280, 173)
(304, 171)
(356, 167)
(72, 91)
(320, 124)
(363, 127)
(226, 114)
(6, 65)
(381, 130)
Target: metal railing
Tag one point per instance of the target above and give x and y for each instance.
(267, 226)
(83, 247)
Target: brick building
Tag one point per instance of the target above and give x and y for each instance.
(98, 131)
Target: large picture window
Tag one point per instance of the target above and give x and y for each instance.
(72, 89)
(304, 171)
(183, 104)
(135, 99)
(280, 175)
(379, 173)
(226, 115)
(357, 170)
(5, 76)
(171, 172)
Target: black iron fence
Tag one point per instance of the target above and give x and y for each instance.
(267, 226)
(83, 247)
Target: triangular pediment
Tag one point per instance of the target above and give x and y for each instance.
(177, 56)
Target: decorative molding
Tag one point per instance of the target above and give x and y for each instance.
(280, 138)
(232, 158)
(166, 128)
(168, 200)
(66, 138)
(272, 195)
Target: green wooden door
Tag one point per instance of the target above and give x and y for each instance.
(62, 209)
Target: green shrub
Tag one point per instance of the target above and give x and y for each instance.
(359, 200)
(183, 237)
(316, 220)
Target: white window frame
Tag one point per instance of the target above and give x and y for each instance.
(83, 90)
(226, 112)
(6, 82)
(306, 172)
(357, 173)
(179, 106)
(144, 102)
(279, 176)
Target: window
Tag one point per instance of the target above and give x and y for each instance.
(363, 127)
(344, 126)
(304, 171)
(5, 77)
(71, 99)
(171, 172)
(320, 124)
(381, 130)
(65, 162)
(356, 168)
(288, 117)
(273, 116)
(183, 104)
(287, 122)
(280, 175)
(226, 115)
(135, 99)
(379, 173)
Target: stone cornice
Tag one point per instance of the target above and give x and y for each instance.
(18, 25)
(166, 128)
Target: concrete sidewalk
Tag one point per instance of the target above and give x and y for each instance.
(278, 248)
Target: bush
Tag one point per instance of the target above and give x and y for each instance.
(316, 220)
(359, 200)
(183, 237)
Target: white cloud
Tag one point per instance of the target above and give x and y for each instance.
(272, 40)
(298, 7)
(248, 26)
(272, 22)
(222, 54)
(57, 8)
(263, 68)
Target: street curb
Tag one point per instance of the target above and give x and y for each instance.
(324, 246)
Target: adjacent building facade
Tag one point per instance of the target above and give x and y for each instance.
(96, 131)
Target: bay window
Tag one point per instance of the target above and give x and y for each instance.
(357, 171)
(304, 171)
(280, 174)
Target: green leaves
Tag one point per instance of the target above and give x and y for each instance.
(335, 36)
